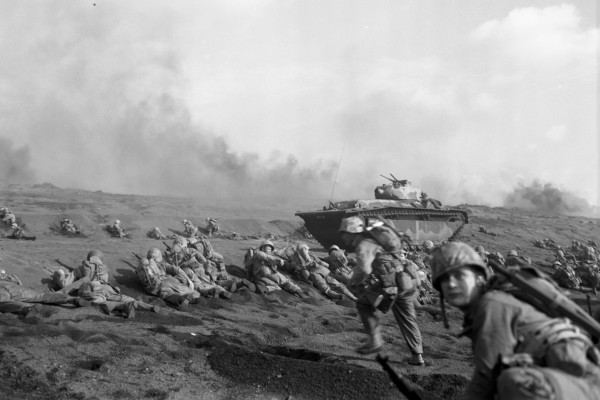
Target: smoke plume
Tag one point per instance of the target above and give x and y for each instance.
(549, 199)
(15, 163)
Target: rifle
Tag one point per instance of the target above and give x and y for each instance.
(137, 256)
(168, 247)
(48, 269)
(62, 264)
(409, 389)
(547, 298)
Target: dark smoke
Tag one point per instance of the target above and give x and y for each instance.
(548, 199)
(164, 153)
(15, 163)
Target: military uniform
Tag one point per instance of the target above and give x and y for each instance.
(17, 299)
(165, 281)
(262, 270)
(318, 274)
(338, 265)
(89, 270)
(497, 324)
(519, 352)
(384, 273)
(566, 277)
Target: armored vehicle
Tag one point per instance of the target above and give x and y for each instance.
(410, 210)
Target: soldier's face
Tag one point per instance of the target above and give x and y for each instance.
(461, 286)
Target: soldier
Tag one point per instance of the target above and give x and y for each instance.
(156, 233)
(516, 356)
(565, 276)
(14, 298)
(166, 281)
(190, 229)
(235, 236)
(206, 249)
(560, 257)
(262, 265)
(8, 217)
(589, 274)
(316, 272)
(185, 258)
(92, 268)
(110, 299)
(379, 276)
(67, 225)
(212, 226)
(116, 229)
(338, 265)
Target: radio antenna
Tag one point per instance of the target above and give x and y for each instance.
(336, 172)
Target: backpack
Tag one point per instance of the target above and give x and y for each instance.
(551, 345)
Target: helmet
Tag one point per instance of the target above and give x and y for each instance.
(556, 264)
(154, 253)
(117, 221)
(352, 225)
(560, 253)
(512, 253)
(452, 256)
(95, 253)
(424, 195)
(480, 249)
(428, 245)
(176, 248)
(334, 247)
(267, 243)
(185, 222)
(180, 240)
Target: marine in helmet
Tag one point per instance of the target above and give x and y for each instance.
(317, 272)
(67, 226)
(377, 284)
(189, 229)
(166, 281)
(8, 217)
(212, 226)
(262, 269)
(338, 264)
(515, 356)
(116, 229)
(92, 268)
(156, 233)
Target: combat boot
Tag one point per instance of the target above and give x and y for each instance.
(417, 359)
(128, 309)
(251, 287)
(107, 308)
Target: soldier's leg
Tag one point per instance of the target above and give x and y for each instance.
(286, 284)
(321, 283)
(339, 287)
(15, 307)
(370, 322)
(406, 317)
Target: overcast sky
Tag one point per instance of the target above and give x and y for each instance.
(466, 99)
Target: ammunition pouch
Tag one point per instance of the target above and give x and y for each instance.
(374, 293)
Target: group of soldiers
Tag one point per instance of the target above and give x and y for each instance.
(520, 352)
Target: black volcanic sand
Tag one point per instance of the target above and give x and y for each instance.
(252, 346)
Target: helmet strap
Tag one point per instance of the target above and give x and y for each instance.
(443, 308)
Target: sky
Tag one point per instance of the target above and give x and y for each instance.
(301, 99)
